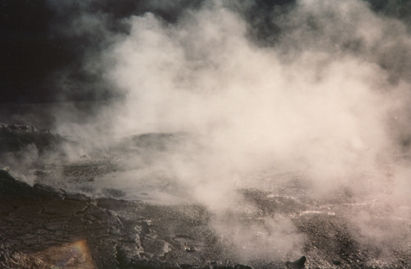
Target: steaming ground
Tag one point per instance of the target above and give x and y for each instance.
(265, 226)
(278, 137)
(323, 105)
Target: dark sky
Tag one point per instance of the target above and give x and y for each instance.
(26, 53)
(33, 54)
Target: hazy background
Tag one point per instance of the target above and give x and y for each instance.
(311, 91)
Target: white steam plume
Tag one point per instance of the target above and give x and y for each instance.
(323, 112)
(320, 103)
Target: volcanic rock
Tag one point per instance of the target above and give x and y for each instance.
(15, 137)
(298, 264)
(53, 227)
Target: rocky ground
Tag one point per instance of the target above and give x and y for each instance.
(54, 214)
(73, 231)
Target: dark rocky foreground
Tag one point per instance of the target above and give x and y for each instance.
(54, 225)
(41, 227)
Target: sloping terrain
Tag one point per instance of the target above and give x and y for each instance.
(70, 217)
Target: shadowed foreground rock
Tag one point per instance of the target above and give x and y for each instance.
(55, 229)
(10, 258)
(298, 264)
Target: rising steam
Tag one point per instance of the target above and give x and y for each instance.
(325, 101)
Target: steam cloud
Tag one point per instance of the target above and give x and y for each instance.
(325, 101)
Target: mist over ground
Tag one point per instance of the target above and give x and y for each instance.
(305, 99)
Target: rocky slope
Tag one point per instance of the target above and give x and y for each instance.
(67, 218)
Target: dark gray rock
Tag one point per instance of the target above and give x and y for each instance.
(16, 137)
(12, 259)
(298, 264)
(47, 225)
